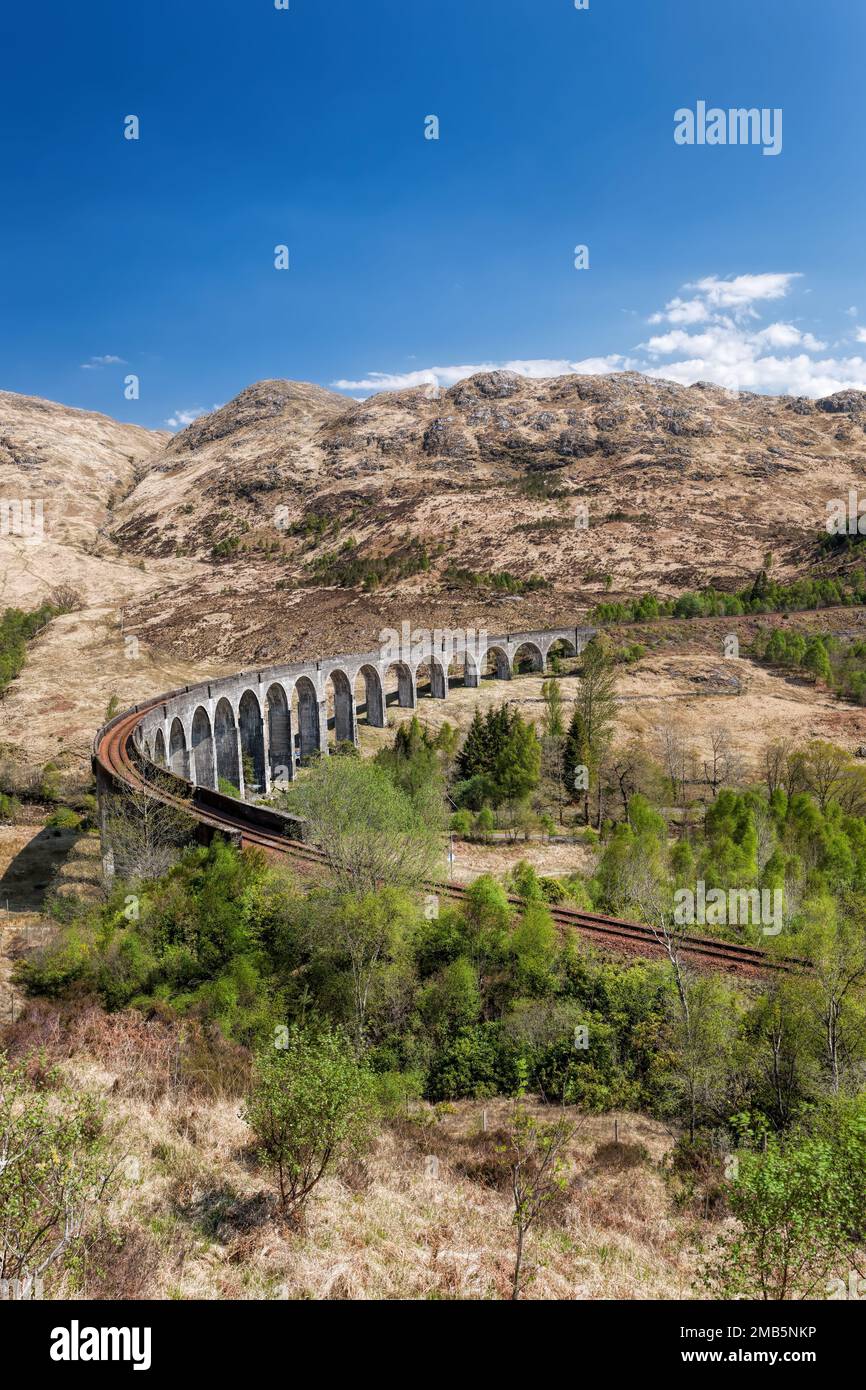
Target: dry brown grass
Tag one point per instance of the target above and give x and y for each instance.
(426, 1213)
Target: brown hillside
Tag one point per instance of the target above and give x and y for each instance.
(296, 491)
(294, 521)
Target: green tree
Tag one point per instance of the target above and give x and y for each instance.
(310, 1104)
(553, 721)
(533, 946)
(816, 660)
(596, 699)
(823, 768)
(450, 1000)
(55, 1168)
(518, 762)
(371, 830)
(576, 756)
(794, 1202)
(475, 755)
(366, 931)
(414, 764)
(503, 749)
(534, 1152)
(553, 746)
(487, 915)
(596, 706)
(834, 992)
(704, 1028)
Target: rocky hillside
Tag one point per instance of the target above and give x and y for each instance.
(75, 465)
(78, 460)
(294, 521)
(437, 506)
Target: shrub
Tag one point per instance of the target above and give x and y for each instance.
(479, 1061)
(53, 1173)
(64, 818)
(55, 970)
(311, 1103)
(799, 1204)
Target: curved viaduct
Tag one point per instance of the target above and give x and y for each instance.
(252, 730)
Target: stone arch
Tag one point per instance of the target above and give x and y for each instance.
(203, 771)
(252, 742)
(280, 750)
(495, 664)
(561, 647)
(399, 676)
(226, 741)
(177, 750)
(464, 668)
(308, 720)
(372, 705)
(159, 749)
(340, 698)
(459, 666)
(528, 653)
(431, 678)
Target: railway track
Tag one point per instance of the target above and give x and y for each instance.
(115, 760)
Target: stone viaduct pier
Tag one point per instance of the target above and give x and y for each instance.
(252, 730)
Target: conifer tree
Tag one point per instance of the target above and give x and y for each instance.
(473, 757)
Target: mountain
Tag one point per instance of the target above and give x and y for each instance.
(67, 467)
(294, 521)
(320, 518)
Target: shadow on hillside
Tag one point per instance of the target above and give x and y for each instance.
(29, 874)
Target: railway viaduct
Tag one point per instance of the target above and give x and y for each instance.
(262, 722)
(252, 729)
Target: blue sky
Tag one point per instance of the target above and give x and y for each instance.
(415, 259)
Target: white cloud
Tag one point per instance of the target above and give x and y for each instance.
(681, 311)
(181, 418)
(741, 357)
(728, 348)
(444, 377)
(738, 295)
(108, 360)
(742, 291)
(785, 335)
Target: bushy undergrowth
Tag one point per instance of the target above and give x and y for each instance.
(475, 1000)
(762, 596)
(839, 662)
(18, 626)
